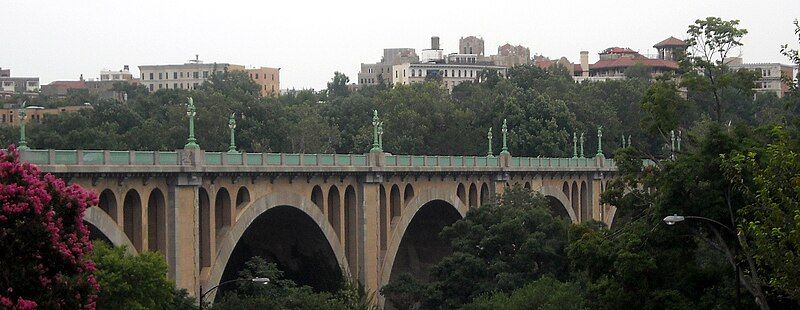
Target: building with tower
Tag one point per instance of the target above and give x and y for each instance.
(614, 61)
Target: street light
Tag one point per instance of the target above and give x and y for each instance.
(264, 281)
(673, 219)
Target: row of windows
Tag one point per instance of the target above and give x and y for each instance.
(265, 76)
(35, 118)
(175, 75)
(174, 86)
(453, 73)
(369, 81)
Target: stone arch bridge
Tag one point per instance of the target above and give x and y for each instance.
(371, 215)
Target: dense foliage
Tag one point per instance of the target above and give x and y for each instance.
(135, 281)
(43, 261)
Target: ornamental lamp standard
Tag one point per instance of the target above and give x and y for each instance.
(264, 281)
(191, 111)
(489, 136)
(505, 139)
(232, 126)
(23, 143)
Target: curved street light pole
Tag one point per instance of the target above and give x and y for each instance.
(673, 219)
(255, 280)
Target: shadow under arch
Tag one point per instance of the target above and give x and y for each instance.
(100, 220)
(558, 194)
(228, 241)
(420, 200)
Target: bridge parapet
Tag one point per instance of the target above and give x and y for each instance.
(210, 160)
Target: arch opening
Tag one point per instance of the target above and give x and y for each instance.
(473, 196)
(484, 194)
(204, 204)
(290, 238)
(351, 228)
(334, 210)
(408, 194)
(242, 197)
(421, 247)
(461, 192)
(528, 185)
(108, 203)
(565, 189)
(394, 202)
(156, 222)
(384, 217)
(317, 198)
(573, 199)
(132, 207)
(222, 210)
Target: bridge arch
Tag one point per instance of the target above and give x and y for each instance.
(132, 218)
(228, 241)
(414, 206)
(157, 222)
(242, 197)
(461, 192)
(473, 196)
(108, 203)
(394, 203)
(558, 194)
(485, 195)
(222, 210)
(106, 226)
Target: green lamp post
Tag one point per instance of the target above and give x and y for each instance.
(232, 126)
(376, 146)
(600, 141)
(489, 136)
(23, 143)
(505, 139)
(191, 111)
(582, 140)
(380, 135)
(574, 144)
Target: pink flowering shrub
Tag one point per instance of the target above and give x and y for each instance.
(44, 243)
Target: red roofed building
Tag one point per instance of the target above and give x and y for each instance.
(614, 61)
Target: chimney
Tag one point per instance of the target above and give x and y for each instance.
(125, 68)
(81, 78)
(434, 43)
(584, 63)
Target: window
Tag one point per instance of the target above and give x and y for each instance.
(413, 73)
(196, 74)
(419, 71)
(4, 118)
(194, 86)
(404, 72)
(273, 76)
(256, 76)
(174, 85)
(205, 74)
(452, 73)
(445, 73)
(181, 85)
(459, 73)
(151, 75)
(151, 86)
(160, 76)
(395, 74)
(175, 75)
(159, 86)
(181, 74)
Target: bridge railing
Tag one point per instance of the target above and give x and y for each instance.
(440, 161)
(172, 158)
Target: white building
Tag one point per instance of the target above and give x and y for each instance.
(121, 75)
(771, 74)
(451, 74)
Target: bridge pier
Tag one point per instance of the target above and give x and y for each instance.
(183, 232)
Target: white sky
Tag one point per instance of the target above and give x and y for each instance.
(309, 40)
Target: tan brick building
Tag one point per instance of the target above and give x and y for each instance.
(268, 80)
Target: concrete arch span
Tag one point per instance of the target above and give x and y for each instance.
(414, 206)
(103, 223)
(559, 195)
(277, 203)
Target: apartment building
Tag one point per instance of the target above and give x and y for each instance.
(771, 75)
(10, 85)
(184, 76)
(9, 114)
(268, 80)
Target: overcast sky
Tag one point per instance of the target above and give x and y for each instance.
(309, 40)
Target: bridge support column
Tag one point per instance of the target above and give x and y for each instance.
(183, 255)
(369, 256)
